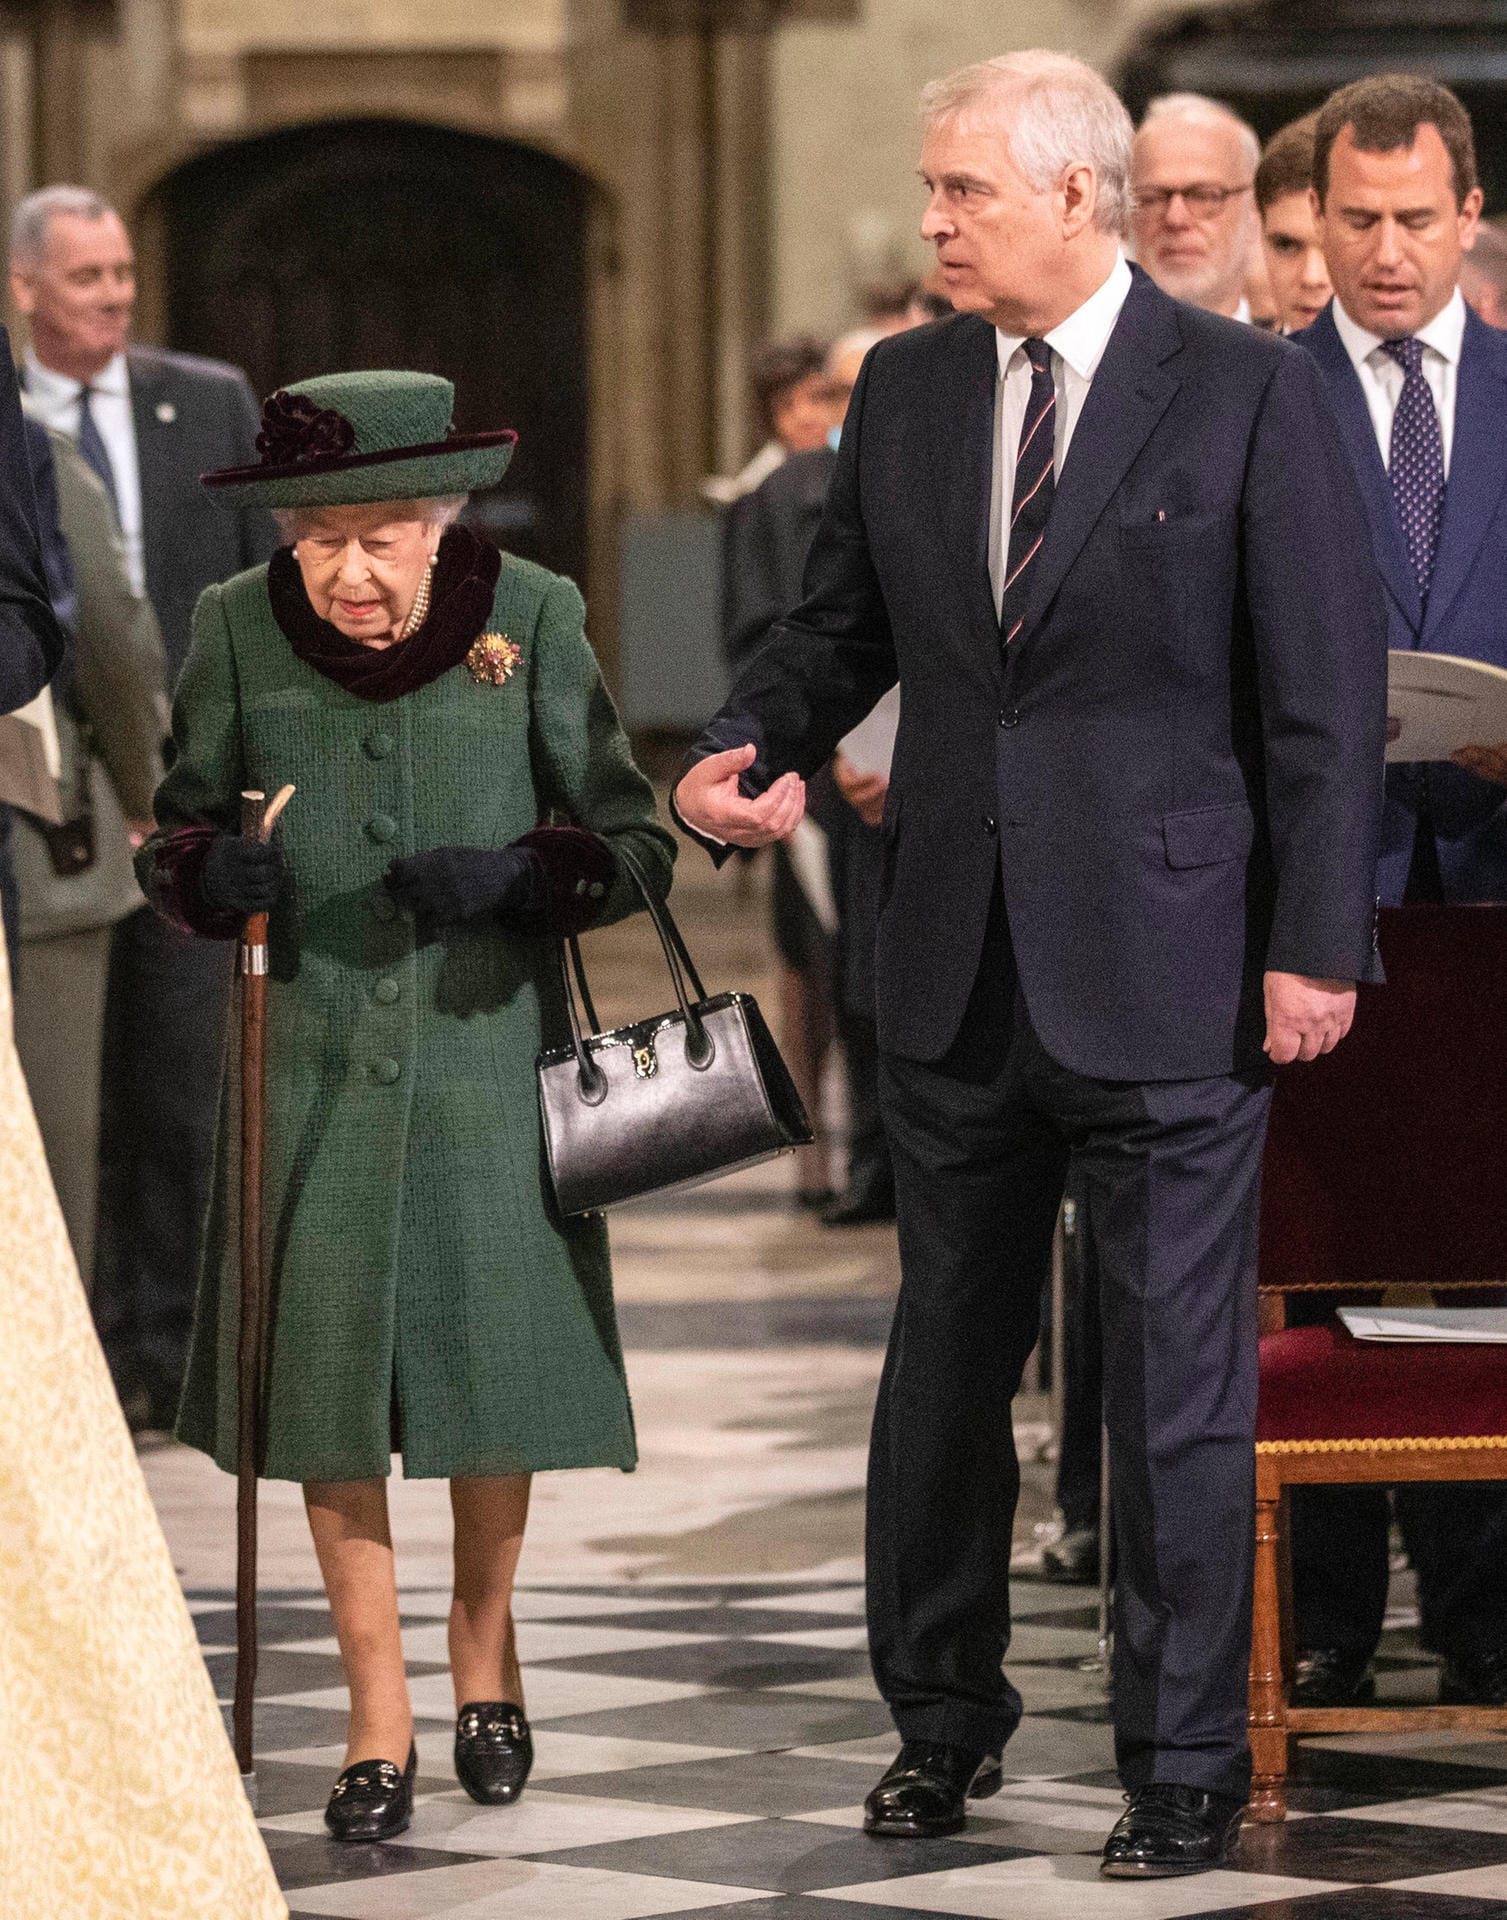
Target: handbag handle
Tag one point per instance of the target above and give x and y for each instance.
(699, 1045)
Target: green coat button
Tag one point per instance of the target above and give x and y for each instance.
(385, 1071)
(379, 745)
(596, 890)
(385, 992)
(382, 828)
(384, 907)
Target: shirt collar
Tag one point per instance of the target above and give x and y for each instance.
(1080, 340)
(60, 388)
(1445, 333)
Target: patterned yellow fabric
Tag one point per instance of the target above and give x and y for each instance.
(119, 1796)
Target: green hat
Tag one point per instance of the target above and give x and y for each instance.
(349, 439)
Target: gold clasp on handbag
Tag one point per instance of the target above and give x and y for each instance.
(644, 1063)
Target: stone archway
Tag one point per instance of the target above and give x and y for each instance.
(385, 242)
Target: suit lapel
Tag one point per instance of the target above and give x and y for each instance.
(1131, 391)
(962, 459)
(1477, 468)
(1323, 341)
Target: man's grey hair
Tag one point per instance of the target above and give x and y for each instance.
(442, 511)
(1063, 115)
(1204, 111)
(1487, 259)
(30, 221)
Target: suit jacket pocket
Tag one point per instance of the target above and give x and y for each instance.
(1207, 835)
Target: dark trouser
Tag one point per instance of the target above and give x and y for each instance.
(981, 1143)
(868, 1150)
(1078, 1460)
(165, 1012)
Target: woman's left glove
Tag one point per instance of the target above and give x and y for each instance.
(449, 884)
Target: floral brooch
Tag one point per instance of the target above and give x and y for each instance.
(493, 657)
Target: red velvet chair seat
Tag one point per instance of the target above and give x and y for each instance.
(1320, 1383)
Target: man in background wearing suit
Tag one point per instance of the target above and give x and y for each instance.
(149, 423)
(1111, 548)
(1420, 388)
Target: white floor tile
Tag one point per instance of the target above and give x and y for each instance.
(513, 1890)
(545, 1822)
(1068, 1887)
(1484, 1811)
(1473, 1883)
(552, 1694)
(835, 1600)
(841, 1639)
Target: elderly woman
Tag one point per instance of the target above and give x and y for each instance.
(462, 781)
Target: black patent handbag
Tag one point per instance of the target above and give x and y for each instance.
(668, 1102)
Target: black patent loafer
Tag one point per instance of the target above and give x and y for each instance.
(1331, 1677)
(494, 1751)
(926, 1791)
(373, 1800)
(1479, 1681)
(1169, 1829)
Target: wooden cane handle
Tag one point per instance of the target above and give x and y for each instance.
(269, 818)
(257, 817)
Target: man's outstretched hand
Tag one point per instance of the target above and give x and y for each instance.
(708, 799)
(1304, 1017)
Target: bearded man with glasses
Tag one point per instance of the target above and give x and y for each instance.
(1194, 222)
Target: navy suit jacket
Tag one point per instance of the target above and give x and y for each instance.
(1467, 604)
(1176, 771)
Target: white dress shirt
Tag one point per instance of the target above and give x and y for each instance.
(1077, 348)
(1381, 378)
(55, 400)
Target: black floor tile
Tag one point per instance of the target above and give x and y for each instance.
(284, 1670)
(1089, 1713)
(764, 1721)
(723, 1663)
(792, 1906)
(313, 1860)
(765, 1783)
(788, 1856)
(1388, 1776)
(217, 1629)
(1357, 1903)
(280, 1727)
(1369, 1851)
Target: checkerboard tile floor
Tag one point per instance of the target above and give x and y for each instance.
(706, 1747)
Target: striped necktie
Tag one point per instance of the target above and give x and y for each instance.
(1035, 486)
(91, 445)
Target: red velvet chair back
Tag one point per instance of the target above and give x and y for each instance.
(1386, 1161)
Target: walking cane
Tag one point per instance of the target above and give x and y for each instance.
(257, 822)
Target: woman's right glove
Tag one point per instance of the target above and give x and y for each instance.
(242, 876)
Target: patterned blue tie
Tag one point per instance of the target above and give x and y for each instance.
(1417, 461)
(1035, 486)
(92, 446)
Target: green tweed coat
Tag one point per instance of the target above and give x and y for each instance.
(427, 1296)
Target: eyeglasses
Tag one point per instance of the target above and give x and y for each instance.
(1203, 201)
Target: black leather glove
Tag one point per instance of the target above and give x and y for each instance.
(449, 884)
(242, 876)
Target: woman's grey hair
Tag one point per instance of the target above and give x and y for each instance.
(1204, 111)
(1063, 115)
(30, 221)
(440, 512)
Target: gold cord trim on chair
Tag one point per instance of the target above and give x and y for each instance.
(1278, 1288)
(1473, 1441)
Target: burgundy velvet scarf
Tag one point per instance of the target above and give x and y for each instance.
(465, 579)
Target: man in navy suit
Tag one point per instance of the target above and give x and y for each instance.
(1420, 388)
(1111, 549)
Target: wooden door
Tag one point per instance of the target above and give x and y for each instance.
(376, 243)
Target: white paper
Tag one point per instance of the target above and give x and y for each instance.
(807, 848)
(1475, 1325)
(870, 747)
(1440, 703)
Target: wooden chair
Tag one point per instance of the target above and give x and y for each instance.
(1385, 1166)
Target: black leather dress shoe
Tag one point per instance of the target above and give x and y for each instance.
(1169, 1829)
(372, 1800)
(926, 1791)
(1073, 1561)
(1480, 1681)
(1331, 1677)
(863, 1203)
(494, 1751)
